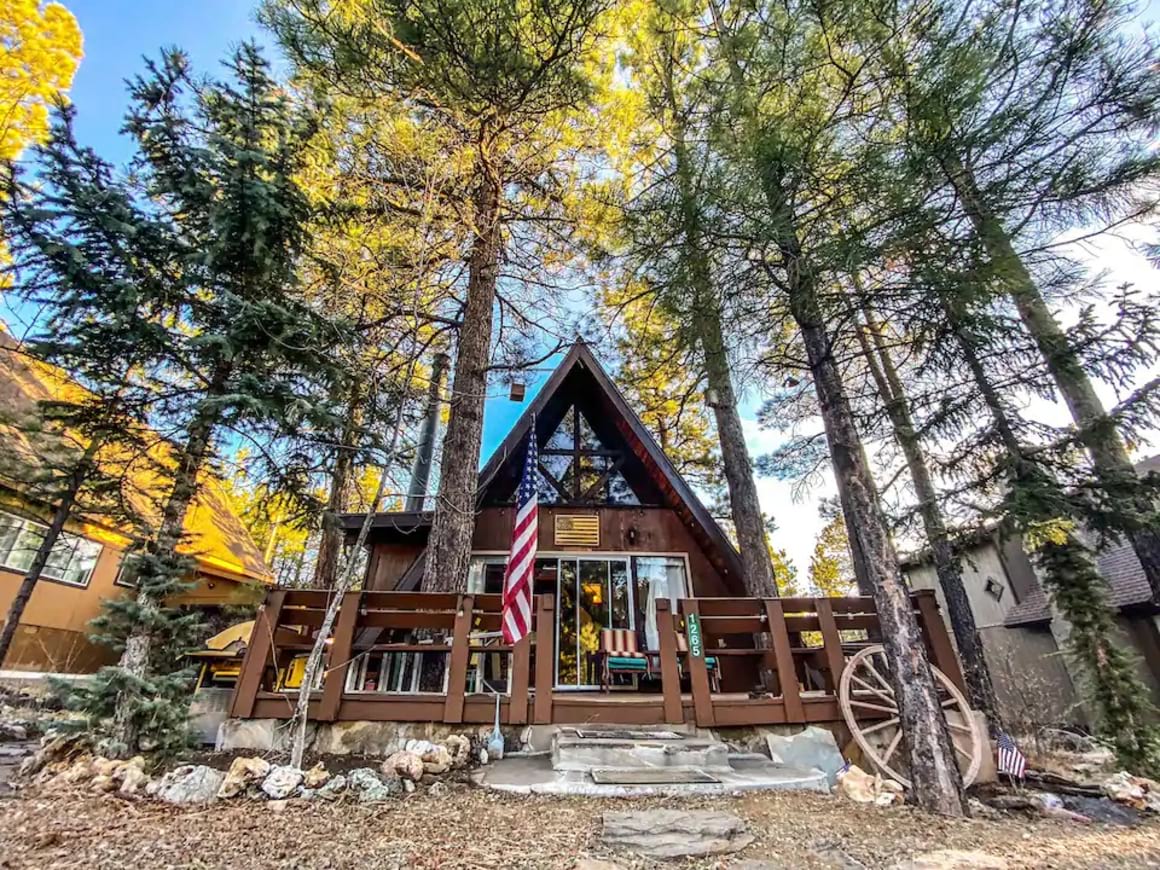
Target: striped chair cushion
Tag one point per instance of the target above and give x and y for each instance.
(618, 642)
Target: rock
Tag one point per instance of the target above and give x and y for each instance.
(460, 749)
(406, 764)
(133, 780)
(103, 782)
(857, 785)
(316, 777)
(436, 760)
(811, 749)
(980, 810)
(369, 786)
(437, 789)
(332, 791)
(1135, 791)
(189, 784)
(277, 806)
(595, 864)
(242, 773)
(675, 833)
(483, 756)
(952, 859)
(12, 731)
(408, 786)
(282, 781)
(418, 747)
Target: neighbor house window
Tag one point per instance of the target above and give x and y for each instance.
(71, 561)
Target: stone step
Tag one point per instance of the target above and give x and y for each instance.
(574, 752)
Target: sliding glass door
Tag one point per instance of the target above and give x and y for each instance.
(593, 594)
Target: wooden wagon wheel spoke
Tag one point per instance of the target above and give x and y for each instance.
(888, 698)
(893, 745)
(881, 726)
(869, 706)
(859, 714)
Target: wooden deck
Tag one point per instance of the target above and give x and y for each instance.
(797, 677)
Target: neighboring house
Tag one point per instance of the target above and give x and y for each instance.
(86, 564)
(1024, 637)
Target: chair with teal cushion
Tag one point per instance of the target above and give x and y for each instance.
(619, 655)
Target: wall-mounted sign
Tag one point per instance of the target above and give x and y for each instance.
(693, 633)
(577, 530)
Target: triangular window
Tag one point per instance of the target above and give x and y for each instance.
(576, 467)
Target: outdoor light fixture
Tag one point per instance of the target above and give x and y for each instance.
(517, 391)
(632, 534)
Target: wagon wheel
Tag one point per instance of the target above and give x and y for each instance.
(866, 696)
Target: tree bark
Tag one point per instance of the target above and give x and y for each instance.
(946, 562)
(135, 657)
(449, 548)
(341, 484)
(744, 506)
(76, 480)
(1097, 431)
(934, 773)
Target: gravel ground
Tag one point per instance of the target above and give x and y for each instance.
(470, 828)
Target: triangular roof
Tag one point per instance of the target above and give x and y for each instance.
(580, 377)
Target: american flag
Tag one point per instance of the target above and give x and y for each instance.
(1011, 760)
(517, 583)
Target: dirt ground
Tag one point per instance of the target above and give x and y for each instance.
(470, 828)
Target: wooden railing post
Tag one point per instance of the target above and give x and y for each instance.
(257, 655)
(831, 641)
(545, 658)
(783, 656)
(698, 673)
(338, 657)
(670, 668)
(931, 622)
(518, 685)
(460, 655)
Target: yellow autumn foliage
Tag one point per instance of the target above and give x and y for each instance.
(41, 51)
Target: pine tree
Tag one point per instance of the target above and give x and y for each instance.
(209, 227)
(493, 86)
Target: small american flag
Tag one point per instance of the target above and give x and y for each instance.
(517, 584)
(1011, 760)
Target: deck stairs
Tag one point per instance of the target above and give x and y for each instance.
(629, 760)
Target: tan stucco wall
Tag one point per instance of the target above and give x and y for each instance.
(1031, 677)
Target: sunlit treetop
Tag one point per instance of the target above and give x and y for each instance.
(42, 48)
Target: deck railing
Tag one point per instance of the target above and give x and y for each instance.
(431, 652)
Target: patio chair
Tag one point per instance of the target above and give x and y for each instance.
(619, 654)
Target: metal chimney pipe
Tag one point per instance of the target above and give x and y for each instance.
(425, 452)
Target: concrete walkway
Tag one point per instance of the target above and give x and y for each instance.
(534, 774)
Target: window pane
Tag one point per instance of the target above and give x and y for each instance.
(568, 672)
(591, 470)
(586, 437)
(84, 560)
(593, 614)
(657, 577)
(24, 549)
(60, 558)
(564, 438)
(619, 492)
(621, 611)
(9, 530)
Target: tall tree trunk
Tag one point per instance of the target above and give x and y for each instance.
(76, 480)
(756, 562)
(135, 657)
(449, 548)
(937, 783)
(946, 561)
(341, 484)
(1097, 431)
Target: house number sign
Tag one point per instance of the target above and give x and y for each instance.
(693, 631)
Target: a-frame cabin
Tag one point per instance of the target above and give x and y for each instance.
(624, 543)
(619, 527)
